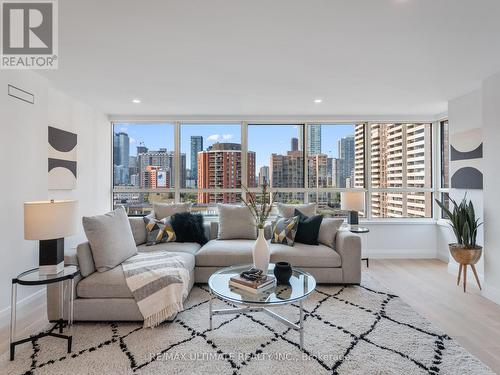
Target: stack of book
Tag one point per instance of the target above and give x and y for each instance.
(252, 286)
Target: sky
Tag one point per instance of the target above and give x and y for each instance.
(263, 139)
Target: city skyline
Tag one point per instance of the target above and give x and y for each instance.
(262, 139)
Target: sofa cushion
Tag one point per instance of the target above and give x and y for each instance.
(110, 238)
(287, 210)
(328, 231)
(162, 210)
(176, 247)
(236, 222)
(109, 284)
(302, 255)
(222, 253)
(138, 229)
(112, 284)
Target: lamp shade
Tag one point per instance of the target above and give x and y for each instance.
(352, 201)
(47, 220)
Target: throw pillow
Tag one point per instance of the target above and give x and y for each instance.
(285, 230)
(308, 228)
(236, 222)
(287, 210)
(189, 228)
(163, 210)
(159, 230)
(110, 237)
(328, 231)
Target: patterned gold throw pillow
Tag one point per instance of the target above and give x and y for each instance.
(159, 231)
(284, 230)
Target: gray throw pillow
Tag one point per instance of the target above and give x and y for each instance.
(110, 238)
(328, 231)
(236, 222)
(163, 210)
(287, 210)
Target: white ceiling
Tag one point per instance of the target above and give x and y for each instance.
(274, 57)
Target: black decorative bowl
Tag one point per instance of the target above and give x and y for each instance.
(282, 272)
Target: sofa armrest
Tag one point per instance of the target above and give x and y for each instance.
(348, 246)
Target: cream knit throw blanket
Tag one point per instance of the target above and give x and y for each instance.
(159, 283)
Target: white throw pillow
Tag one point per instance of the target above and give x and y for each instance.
(110, 237)
(163, 210)
(288, 210)
(236, 222)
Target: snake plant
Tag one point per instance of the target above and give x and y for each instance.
(463, 221)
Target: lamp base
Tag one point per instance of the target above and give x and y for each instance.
(353, 218)
(51, 256)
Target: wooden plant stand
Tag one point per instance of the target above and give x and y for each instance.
(466, 257)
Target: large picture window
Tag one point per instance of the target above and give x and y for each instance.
(210, 163)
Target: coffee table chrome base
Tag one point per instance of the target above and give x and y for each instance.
(252, 308)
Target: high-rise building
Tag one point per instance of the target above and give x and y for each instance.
(161, 160)
(338, 173)
(359, 156)
(294, 144)
(318, 170)
(121, 154)
(346, 153)
(219, 167)
(196, 146)
(314, 139)
(390, 143)
(287, 170)
(264, 175)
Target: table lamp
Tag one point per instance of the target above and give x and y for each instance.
(49, 222)
(352, 201)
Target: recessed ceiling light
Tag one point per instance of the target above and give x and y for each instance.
(136, 101)
(318, 100)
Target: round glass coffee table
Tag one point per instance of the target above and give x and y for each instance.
(300, 286)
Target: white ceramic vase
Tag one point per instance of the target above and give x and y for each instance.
(261, 253)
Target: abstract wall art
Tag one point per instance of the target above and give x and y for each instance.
(466, 153)
(62, 159)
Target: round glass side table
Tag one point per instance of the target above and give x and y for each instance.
(33, 277)
(360, 230)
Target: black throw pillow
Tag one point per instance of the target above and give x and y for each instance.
(308, 229)
(189, 228)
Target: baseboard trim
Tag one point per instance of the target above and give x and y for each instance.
(400, 254)
(31, 314)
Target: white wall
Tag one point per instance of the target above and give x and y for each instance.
(491, 128)
(23, 156)
(464, 113)
(400, 240)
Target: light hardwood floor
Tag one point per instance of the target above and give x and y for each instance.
(425, 284)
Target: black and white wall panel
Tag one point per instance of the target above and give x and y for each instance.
(62, 159)
(466, 154)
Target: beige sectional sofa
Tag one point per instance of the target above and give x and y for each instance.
(104, 296)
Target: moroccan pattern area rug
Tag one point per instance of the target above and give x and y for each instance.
(348, 330)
